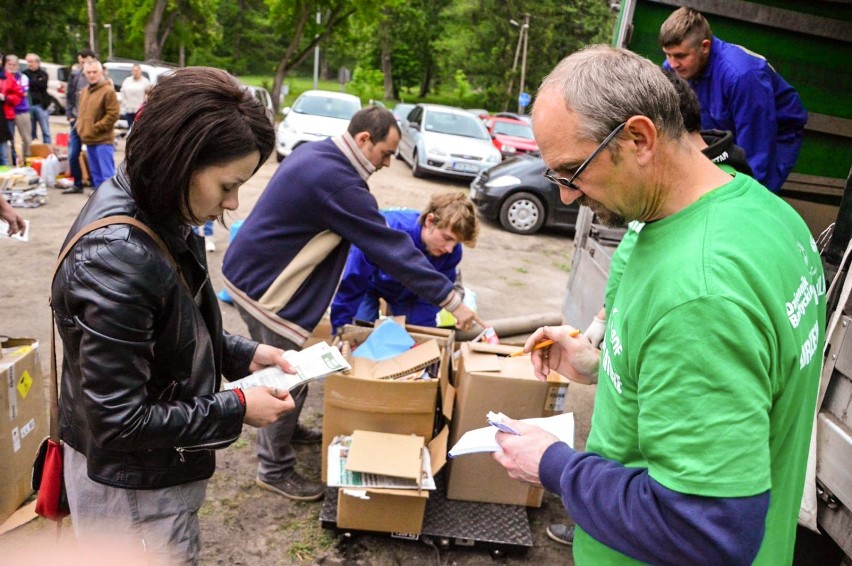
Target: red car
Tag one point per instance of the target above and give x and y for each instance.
(512, 137)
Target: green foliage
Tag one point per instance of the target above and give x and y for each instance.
(366, 83)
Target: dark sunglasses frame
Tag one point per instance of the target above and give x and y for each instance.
(551, 176)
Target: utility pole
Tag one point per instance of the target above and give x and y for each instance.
(109, 41)
(514, 64)
(93, 25)
(526, 32)
(317, 54)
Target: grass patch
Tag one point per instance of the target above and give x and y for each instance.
(314, 539)
(566, 267)
(521, 270)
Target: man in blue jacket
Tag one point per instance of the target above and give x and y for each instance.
(438, 232)
(284, 264)
(739, 91)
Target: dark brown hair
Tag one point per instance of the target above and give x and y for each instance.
(375, 120)
(194, 117)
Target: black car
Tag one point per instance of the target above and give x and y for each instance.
(515, 193)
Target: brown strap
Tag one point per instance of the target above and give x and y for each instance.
(54, 374)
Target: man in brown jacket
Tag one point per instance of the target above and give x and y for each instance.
(97, 114)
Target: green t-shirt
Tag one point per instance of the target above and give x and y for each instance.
(711, 360)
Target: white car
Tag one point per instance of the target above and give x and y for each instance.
(57, 86)
(446, 141)
(316, 115)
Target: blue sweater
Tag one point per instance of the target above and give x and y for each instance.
(363, 280)
(740, 91)
(316, 194)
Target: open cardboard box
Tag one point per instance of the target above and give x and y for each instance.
(23, 420)
(489, 380)
(389, 510)
(362, 400)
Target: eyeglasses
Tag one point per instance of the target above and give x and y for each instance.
(550, 174)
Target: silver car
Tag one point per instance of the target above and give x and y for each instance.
(443, 140)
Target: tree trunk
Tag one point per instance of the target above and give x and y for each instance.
(93, 25)
(292, 57)
(427, 80)
(387, 69)
(152, 29)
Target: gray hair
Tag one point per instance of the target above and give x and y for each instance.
(12, 59)
(607, 85)
(34, 57)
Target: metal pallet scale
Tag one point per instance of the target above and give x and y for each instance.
(498, 529)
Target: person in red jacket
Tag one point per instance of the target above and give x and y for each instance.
(10, 95)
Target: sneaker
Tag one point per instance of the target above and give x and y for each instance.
(305, 435)
(209, 244)
(563, 534)
(294, 487)
(73, 191)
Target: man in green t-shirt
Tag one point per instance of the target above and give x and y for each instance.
(708, 372)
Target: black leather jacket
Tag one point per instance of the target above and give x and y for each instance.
(143, 353)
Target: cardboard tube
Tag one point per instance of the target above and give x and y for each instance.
(513, 326)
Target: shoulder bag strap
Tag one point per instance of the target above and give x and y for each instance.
(54, 374)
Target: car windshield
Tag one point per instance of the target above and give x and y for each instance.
(465, 125)
(402, 110)
(327, 106)
(513, 129)
(118, 76)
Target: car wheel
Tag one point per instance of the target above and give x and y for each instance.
(279, 157)
(416, 170)
(522, 213)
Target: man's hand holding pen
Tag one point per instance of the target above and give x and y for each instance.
(571, 354)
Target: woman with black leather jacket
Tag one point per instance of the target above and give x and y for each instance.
(144, 350)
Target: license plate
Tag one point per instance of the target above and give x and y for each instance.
(465, 167)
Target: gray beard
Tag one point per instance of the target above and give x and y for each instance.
(605, 216)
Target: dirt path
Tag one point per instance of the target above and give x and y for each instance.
(241, 524)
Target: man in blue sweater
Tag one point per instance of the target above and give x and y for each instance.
(439, 231)
(739, 91)
(284, 264)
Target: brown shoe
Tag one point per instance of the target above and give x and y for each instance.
(294, 487)
(305, 435)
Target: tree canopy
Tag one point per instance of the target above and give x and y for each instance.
(461, 50)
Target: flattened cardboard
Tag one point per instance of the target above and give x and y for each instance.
(23, 420)
(417, 358)
(396, 455)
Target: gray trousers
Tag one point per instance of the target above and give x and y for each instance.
(275, 455)
(161, 524)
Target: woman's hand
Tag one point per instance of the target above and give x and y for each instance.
(266, 356)
(265, 405)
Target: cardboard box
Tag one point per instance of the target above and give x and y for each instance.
(389, 510)
(489, 380)
(359, 401)
(23, 420)
(38, 149)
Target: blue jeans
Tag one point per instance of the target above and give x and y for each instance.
(11, 125)
(101, 159)
(4, 153)
(74, 148)
(40, 118)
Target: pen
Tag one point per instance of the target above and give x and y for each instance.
(540, 345)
